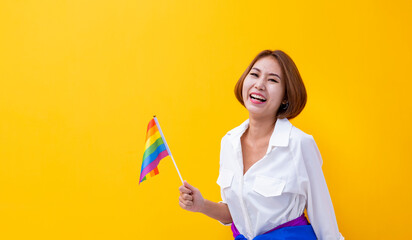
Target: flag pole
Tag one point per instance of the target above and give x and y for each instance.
(167, 147)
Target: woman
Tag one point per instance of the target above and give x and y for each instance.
(270, 171)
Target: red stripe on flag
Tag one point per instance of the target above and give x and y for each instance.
(151, 124)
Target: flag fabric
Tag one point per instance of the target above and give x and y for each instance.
(155, 150)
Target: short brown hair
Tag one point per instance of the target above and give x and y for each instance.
(295, 91)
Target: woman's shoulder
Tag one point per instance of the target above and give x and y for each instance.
(304, 142)
(297, 136)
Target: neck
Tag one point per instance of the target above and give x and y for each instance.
(260, 127)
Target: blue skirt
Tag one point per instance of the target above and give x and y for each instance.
(304, 232)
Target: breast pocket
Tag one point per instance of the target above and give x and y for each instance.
(268, 186)
(225, 178)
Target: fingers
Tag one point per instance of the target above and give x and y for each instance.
(182, 205)
(186, 196)
(184, 189)
(188, 186)
(185, 203)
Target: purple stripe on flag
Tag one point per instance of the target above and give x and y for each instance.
(153, 164)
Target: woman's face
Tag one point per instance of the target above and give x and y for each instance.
(264, 88)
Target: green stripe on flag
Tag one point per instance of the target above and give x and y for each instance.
(152, 148)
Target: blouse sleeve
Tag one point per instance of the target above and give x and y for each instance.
(319, 205)
(219, 180)
(222, 194)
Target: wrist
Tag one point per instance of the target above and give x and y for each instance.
(203, 206)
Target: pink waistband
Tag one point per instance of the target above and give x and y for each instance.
(295, 222)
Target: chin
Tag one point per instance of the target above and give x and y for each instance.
(255, 111)
(259, 112)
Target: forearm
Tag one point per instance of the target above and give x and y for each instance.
(218, 211)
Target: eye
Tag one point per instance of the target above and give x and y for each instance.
(254, 74)
(272, 80)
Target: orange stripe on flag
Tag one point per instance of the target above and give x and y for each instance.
(151, 131)
(154, 172)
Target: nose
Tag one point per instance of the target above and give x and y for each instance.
(260, 84)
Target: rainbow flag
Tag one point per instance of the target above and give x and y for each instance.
(155, 150)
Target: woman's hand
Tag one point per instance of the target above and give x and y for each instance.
(190, 198)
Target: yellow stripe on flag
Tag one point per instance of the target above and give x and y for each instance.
(152, 139)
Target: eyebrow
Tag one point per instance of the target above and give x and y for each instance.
(273, 74)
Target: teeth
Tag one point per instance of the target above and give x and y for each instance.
(258, 97)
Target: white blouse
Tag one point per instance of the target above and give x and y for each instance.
(278, 187)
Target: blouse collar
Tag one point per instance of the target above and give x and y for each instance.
(279, 138)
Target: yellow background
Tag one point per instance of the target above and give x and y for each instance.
(80, 80)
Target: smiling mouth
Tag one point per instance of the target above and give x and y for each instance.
(257, 97)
